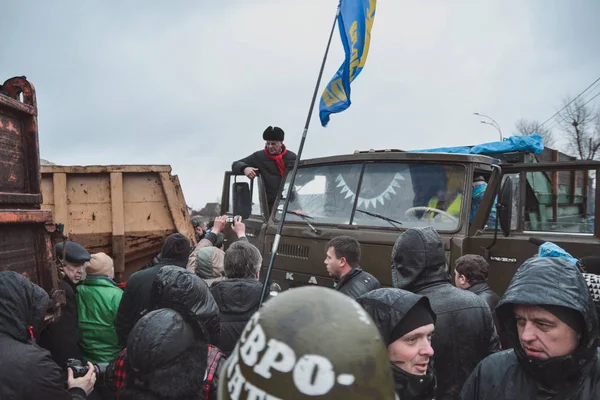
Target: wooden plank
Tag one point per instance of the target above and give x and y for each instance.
(61, 212)
(177, 205)
(522, 201)
(118, 221)
(555, 188)
(20, 198)
(25, 216)
(99, 169)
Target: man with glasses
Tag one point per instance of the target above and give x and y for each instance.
(61, 337)
(271, 162)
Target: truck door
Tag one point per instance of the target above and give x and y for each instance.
(552, 202)
(255, 223)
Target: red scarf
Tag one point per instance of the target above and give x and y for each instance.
(278, 159)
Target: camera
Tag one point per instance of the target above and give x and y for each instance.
(80, 368)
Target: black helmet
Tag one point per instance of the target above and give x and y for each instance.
(309, 342)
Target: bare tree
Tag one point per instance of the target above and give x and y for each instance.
(527, 127)
(581, 126)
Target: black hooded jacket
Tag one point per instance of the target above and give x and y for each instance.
(267, 168)
(178, 290)
(136, 299)
(356, 283)
(387, 308)
(512, 374)
(465, 332)
(26, 371)
(238, 300)
(166, 359)
(186, 293)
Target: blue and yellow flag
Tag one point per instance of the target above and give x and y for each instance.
(355, 20)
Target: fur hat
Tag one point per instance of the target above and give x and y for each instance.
(273, 133)
(100, 264)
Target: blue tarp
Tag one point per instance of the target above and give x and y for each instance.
(527, 144)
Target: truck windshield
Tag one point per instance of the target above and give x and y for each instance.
(410, 195)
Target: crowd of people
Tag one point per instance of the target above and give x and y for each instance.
(190, 326)
(182, 330)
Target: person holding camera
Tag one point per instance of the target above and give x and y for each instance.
(61, 338)
(212, 238)
(26, 370)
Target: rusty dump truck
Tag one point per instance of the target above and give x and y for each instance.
(374, 196)
(125, 211)
(26, 230)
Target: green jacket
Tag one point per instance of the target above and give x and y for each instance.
(98, 300)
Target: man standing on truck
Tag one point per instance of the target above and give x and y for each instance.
(271, 162)
(343, 255)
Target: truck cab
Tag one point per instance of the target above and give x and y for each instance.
(374, 196)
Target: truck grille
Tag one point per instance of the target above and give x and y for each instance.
(292, 251)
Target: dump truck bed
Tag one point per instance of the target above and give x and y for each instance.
(126, 211)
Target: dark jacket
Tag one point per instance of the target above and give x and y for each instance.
(492, 299)
(267, 169)
(26, 371)
(180, 290)
(61, 338)
(356, 283)
(238, 300)
(166, 359)
(136, 297)
(465, 332)
(511, 374)
(186, 293)
(388, 307)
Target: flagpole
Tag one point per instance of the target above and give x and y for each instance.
(286, 203)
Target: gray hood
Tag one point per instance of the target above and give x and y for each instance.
(418, 259)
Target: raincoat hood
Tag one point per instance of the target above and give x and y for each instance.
(23, 304)
(210, 264)
(388, 307)
(157, 339)
(550, 249)
(418, 259)
(184, 292)
(551, 281)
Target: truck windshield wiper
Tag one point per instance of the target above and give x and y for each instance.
(304, 217)
(392, 222)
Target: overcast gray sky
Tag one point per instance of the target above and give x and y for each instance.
(194, 83)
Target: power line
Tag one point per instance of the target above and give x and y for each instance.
(569, 103)
(555, 123)
(597, 94)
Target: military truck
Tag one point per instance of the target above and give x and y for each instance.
(374, 196)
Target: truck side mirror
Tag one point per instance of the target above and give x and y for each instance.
(504, 207)
(242, 200)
